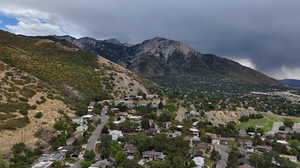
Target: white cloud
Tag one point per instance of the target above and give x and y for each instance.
(287, 73)
(37, 23)
(245, 62)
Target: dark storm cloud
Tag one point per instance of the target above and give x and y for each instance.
(267, 32)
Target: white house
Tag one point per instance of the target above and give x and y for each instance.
(195, 131)
(116, 134)
(46, 164)
(199, 161)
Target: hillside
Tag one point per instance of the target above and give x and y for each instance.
(52, 79)
(170, 62)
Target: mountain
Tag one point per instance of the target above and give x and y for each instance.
(290, 82)
(43, 76)
(173, 64)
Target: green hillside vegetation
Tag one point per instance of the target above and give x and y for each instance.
(69, 70)
(265, 123)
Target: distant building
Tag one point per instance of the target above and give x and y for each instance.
(152, 155)
(130, 149)
(296, 127)
(194, 131)
(46, 164)
(51, 157)
(290, 158)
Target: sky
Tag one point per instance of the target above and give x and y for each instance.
(261, 34)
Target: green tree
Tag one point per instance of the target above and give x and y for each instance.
(288, 123)
(215, 156)
(85, 164)
(38, 115)
(120, 157)
(89, 155)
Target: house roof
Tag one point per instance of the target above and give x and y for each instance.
(296, 126)
(199, 161)
(152, 153)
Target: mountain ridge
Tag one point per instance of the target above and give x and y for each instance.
(168, 62)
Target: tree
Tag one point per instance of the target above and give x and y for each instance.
(215, 156)
(233, 159)
(57, 164)
(18, 148)
(89, 155)
(120, 157)
(3, 163)
(38, 115)
(82, 110)
(85, 164)
(145, 123)
(288, 123)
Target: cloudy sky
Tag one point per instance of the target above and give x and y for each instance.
(262, 34)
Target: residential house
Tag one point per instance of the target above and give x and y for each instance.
(135, 118)
(245, 166)
(167, 125)
(174, 134)
(290, 158)
(46, 164)
(194, 113)
(152, 131)
(263, 148)
(227, 140)
(124, 114)
(64, 149)
(210, 135)
(179, 127)
(199, 161)
(247, 144)
(102, 164)
(88, 116)
(243, 133)
(282, 142)
(116, 134)
(130, 149)
(296, 127)
(203, 148)
(215, 141)
(194, 131)
(151, 96)
(51, 157)
(152, 155)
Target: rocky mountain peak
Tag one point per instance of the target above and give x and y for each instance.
(113, 41)
(162, 46)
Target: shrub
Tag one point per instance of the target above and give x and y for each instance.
(38, 115)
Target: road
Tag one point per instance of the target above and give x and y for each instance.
(223, 150)
(91, 145)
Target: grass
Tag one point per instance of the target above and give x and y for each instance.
(265, 123)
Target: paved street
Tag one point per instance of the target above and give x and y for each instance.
(91, 145)
(223, 150)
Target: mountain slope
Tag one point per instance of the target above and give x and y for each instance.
(76, 73)
(173, 64)
(51, 78)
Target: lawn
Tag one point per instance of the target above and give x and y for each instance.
(265, 123)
